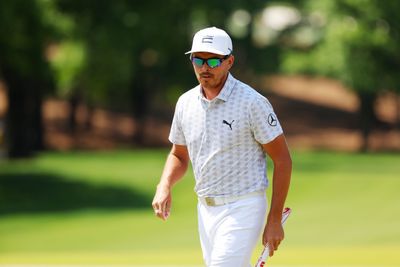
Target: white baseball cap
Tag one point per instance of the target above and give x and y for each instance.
(212, 40)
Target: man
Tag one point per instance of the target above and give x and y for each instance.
(224, 127)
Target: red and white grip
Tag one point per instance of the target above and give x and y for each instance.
(265, 253)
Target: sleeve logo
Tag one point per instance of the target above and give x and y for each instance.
(272, 120)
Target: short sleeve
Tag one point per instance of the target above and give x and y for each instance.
(263, 120)
(176, 135)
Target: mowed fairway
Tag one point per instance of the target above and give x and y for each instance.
(92, 208)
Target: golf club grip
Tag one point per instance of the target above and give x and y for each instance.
(265, 253)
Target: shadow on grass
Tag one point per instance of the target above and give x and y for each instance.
(30, 193)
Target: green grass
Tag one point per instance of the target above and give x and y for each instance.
(346, 211)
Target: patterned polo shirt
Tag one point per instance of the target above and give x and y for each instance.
(223, 138)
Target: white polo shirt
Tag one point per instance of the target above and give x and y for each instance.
(223, 137)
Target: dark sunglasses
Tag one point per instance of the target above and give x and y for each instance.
(211, 62)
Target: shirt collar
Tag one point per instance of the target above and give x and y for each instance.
(225, 91)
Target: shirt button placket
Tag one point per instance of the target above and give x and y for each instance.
(206, 122)
(203, 145)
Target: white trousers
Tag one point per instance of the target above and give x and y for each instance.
(229, 233)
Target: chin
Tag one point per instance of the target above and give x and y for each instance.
(204, 83)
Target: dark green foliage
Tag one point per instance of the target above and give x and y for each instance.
(23, 36)
(129, 55)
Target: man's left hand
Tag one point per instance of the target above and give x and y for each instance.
(273, 235)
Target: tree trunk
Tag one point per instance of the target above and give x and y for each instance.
(367, 116)
(37, 117)
(89, 117)
(140, 100)
(73, 108)
(24, 117)
(3, 148)
(397, 123)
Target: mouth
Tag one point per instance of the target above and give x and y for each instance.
(206, 75)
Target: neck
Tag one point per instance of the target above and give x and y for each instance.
(212, 92)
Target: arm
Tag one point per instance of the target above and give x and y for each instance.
(174, 169)
(279, 153)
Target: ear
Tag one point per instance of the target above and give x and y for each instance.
(231, 60)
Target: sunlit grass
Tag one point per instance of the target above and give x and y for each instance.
(345, 213)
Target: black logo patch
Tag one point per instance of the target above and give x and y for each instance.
(207, 39)
(272, 120)
(227, 123)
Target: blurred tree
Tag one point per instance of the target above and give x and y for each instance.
(125, 52)
(23, 67)
(67, 56)
(124, 55)
(355, 41)
(135, 52)
(67, 61)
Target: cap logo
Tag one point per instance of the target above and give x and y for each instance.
(207, 39)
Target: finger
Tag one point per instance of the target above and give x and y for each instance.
(155, 207)
(156, 201)
(264, 241)
(157, 210)
(271, 249)
(162, 210)
(167, 205)
(159, 214)
(164, 206)
(276, 245)
(167, 209)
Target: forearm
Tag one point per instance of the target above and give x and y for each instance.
(280, 155)
(280, 187)
(174, 169)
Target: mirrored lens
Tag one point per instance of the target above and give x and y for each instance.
(213, 62)
(198, 61)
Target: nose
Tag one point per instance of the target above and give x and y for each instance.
(205, 67)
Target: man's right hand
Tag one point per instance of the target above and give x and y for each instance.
(162, 202)
(175, 167)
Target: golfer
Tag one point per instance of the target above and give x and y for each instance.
(225, 128)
